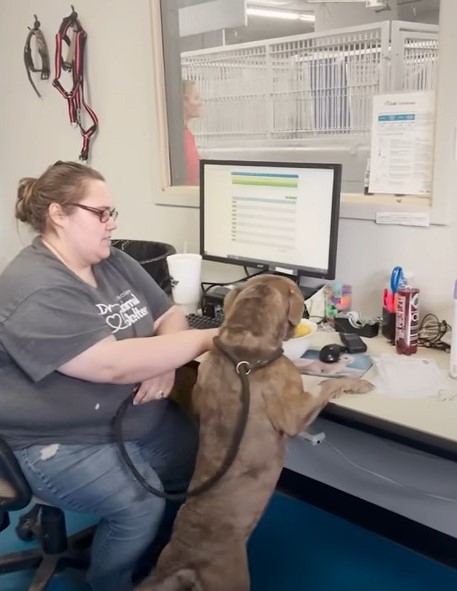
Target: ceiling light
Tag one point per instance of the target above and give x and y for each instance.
(334, 1)
(284, 14)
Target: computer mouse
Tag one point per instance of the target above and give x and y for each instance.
(330, 353)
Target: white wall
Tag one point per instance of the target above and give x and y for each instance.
(35, 133)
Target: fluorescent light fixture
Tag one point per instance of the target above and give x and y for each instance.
(368, 3)
(334, 1)
(376, 3)
(284, 14)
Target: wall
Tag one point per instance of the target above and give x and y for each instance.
(36, 132)
(127, 150)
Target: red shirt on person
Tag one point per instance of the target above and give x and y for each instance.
(192, 158)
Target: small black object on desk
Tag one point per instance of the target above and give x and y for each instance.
(331, 353)
(343, 324)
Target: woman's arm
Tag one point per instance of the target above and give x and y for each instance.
(160, 386)
(173, 320)
(133, 360)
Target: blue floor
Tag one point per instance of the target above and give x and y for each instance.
(297, 547)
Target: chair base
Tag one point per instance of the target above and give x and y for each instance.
(45, 565)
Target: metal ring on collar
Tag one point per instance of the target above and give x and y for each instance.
(243, 363)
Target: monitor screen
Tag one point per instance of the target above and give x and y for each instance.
(279, 216)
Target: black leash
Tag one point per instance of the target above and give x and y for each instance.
(243, 368)
(36, 33)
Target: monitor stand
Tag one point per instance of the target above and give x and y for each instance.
(307, 291)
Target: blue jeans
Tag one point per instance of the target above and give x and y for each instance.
(93, 479)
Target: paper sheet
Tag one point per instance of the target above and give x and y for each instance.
(400, 376)
(402, 144)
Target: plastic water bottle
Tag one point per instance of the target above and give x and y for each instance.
(453, 360)
(407, 320)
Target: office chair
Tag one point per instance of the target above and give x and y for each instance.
(45, 523)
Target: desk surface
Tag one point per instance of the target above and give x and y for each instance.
(433, 419)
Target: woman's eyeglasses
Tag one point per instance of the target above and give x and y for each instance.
(103, 213)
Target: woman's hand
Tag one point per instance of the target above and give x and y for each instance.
(155, 388)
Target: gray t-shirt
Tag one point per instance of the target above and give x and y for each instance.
(47, 317)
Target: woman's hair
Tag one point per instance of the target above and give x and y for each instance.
(187, 86)
(62, 183)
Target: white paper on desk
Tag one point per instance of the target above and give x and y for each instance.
(407, 377)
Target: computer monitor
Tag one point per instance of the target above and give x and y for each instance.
(278, 216)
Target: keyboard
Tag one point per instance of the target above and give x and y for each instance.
(198, 321)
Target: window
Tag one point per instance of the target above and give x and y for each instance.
(278, 90)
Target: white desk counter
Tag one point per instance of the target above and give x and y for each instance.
(432, 420)
(386, 463)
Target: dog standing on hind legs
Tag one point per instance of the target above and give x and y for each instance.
(207, 550)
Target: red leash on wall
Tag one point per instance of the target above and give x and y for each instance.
(74, 36)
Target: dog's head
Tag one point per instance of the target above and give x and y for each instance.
(265, 304)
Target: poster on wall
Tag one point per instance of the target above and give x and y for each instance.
(402, 144)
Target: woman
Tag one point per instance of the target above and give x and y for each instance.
(191, 109)
(76, 321)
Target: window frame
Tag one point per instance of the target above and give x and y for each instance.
(439, 207)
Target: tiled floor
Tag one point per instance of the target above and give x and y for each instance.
(298, 547)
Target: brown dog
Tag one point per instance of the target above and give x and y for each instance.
(207, 551)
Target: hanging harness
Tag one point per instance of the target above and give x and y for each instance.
(36, 33)
(73, 35)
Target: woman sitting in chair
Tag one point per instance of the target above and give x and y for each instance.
(82, 326)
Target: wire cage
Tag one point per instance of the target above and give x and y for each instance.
(284, 91)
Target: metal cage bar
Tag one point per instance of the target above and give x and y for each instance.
(307, 86)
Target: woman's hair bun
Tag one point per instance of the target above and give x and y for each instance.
(24, 197)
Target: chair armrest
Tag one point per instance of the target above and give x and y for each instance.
(15, 492)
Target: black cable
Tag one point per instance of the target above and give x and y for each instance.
(432, 331)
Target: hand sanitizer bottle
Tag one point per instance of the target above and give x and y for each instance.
(453, 360)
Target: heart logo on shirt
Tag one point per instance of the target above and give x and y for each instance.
(115, 321)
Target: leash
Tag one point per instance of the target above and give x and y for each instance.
(74, 36)
(243, 368)
(36, 33)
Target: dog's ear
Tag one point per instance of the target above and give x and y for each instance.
(230, 298)
(296, 306)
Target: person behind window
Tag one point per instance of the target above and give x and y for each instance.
(82, 326)
(191, 109)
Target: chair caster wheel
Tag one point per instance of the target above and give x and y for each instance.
(26, 529)
(24, 533)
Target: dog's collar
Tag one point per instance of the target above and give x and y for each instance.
(243, 365)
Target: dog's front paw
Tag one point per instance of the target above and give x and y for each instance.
(334, 387)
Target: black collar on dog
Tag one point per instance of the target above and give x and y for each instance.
(243, 366)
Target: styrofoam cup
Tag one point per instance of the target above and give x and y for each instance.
(185, 274)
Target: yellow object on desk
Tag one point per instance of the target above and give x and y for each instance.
(301, 330)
